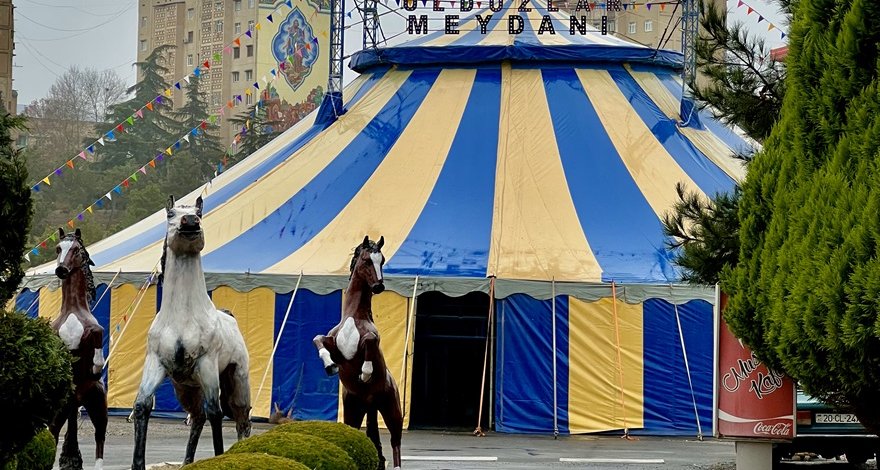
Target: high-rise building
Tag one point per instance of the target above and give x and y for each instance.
(199, 29)
(8, 96)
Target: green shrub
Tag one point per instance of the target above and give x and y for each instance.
(38, 454)
(35, 379)
(313, 452)
(246, 462)
(354, 442)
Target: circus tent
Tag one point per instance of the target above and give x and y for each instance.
(532, 168)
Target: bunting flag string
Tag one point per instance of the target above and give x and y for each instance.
(120, 128)
(170, 150)
(751, 9)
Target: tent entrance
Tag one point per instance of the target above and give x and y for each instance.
(450, 344)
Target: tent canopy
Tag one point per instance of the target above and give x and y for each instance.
(529, 157)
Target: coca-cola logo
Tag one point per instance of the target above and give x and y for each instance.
(776, 429)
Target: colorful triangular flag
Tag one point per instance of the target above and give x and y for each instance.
(82, 155)
(70, 164)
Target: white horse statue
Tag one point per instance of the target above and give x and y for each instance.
(199, 347)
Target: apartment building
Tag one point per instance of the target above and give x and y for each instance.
(198, 29)
(8, 96)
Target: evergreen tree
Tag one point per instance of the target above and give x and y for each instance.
(745, 84)
(194, 164)
(805, 294)
(156, 130)
(16, 207)
(256, 129)
(704, 235)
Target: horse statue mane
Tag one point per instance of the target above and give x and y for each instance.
(91, 290)
(351, 349)
(84, 338)
(197, 346)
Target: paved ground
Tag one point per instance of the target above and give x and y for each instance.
(431, 450)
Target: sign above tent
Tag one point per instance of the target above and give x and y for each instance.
(519, 18)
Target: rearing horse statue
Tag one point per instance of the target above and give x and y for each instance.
(351, 349)
(198, 346)
(84, 337)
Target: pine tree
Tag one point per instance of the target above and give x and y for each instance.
(16, 207)
(805, 293)
(197, 161)
(256, 129)
(745, 84)
(156, 130)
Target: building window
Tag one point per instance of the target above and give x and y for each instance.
(250, 3)
(235, 76)
(143, 21)
(189, 37)
(251, 25)
(218, 26)
(237, 28)
(236, 52)
(190, 13)
(632, 27)
(189, 60)
(248, 75)
(237, 5)
(250, 50)
(249, 99)
(143, 45)
(649, 26)
(218, 6)
(612, 26)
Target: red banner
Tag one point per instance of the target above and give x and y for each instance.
(753, 402)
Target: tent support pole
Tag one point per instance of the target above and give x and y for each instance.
(687, 367)
(619, 359)
(479, 429)
(409, 326)
(553, 357)
(277, 340)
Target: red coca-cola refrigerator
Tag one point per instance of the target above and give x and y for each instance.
(751, 401)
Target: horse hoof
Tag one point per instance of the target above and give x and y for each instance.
(332, 369)
(365, 378)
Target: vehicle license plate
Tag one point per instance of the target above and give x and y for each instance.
(836, 418)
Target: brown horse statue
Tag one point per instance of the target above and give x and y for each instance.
(351, 349)
(84, 337)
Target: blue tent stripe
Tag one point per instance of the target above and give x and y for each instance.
(28, 302)
(453, 232)
(298, 379)
(706, 174)
(101, 311)
(669, 405)
(166, 401)
(736, 143)
(524, 375)
(623, 231)
(157, 232)
(305, 214)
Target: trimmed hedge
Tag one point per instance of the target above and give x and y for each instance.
(311, 451)
(38, 454)
(246, 462)
(36, 379)
(354, 442)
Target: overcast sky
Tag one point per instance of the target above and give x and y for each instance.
(52, 35)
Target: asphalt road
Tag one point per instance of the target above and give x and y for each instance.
(433, 450)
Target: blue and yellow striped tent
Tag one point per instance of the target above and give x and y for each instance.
(535, 165)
